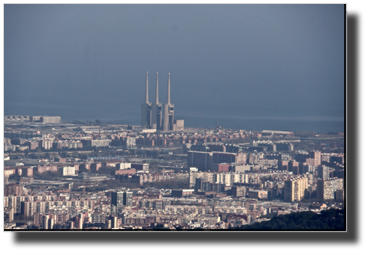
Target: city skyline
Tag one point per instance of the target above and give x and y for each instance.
(279, 63)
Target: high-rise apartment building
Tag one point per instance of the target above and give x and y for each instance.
(295, 188)
(196, 179)
(205, 177)
(323, 172)
(301, 156)
(316, 155)
(130, 142)
(116, 202)
(293, 166)
(127, 198)
(339, 195)
(120, 199)
(326, 189)
(117, 198)
(48, 222)
(12, 189)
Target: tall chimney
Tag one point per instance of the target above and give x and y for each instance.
(169, 90)
(156, 90)
(146, 92)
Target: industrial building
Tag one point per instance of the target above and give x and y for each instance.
(158, 116)
(38, 119)
(168, 109)
(156, 122)
(46, 119)
(146, 111)
(272, 133)
(16, 118)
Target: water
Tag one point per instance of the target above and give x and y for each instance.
(267, 123)
(194, 117)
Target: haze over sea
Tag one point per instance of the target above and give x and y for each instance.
(276, 67)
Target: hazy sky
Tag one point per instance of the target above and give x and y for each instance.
(90, 61)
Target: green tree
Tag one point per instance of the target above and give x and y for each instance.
(82, 156)
(332, 219)
(81, 170)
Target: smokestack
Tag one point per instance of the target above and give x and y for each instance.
(156, 91)
(169, 90)
(146, 92)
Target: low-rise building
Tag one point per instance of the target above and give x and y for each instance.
(182, 192)
(259, 194)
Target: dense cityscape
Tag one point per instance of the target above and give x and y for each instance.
(74, 175)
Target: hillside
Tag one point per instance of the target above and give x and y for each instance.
(332, 219)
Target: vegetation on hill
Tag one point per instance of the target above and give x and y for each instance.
(332, 219)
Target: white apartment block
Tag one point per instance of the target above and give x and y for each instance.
(68, 171)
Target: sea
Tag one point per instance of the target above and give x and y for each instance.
(193, 117)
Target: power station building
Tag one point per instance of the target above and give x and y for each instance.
(156, 122)
(168, 110)
(158, 116)
(146, 108)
